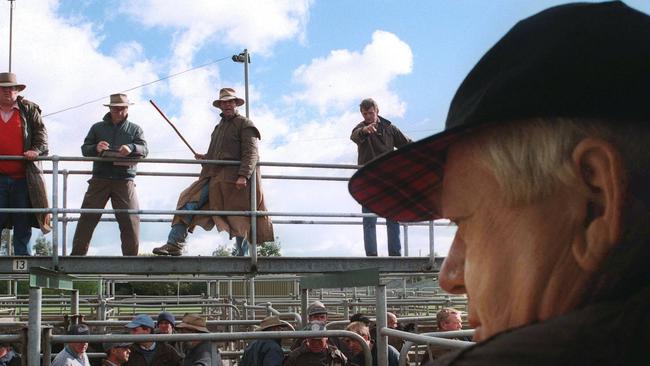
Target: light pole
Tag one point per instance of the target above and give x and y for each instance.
(244, 58)
(11, 23)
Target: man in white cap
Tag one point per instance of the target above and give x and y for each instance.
(224, 187)
(115, 136)
(22, 133)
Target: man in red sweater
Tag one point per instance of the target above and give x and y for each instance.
(22, 133)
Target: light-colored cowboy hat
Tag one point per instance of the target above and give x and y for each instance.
(193, 322)
(228, 94)
(273, 321)
(8, 79)
(118, 100)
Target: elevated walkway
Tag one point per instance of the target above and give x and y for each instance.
(208, 265)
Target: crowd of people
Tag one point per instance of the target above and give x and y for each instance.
(311, 351)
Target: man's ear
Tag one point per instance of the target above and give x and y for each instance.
(600, 170)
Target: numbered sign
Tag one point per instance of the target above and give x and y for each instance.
(20, 265)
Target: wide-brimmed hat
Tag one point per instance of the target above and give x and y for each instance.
(228, 94)
(581, 60)
(316, 307)
(118, 100)
(141, 320)
(8, 79)
(193, 322)
(273, 321)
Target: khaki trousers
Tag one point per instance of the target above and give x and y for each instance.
(123, 196)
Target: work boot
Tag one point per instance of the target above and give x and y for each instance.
(174, 250)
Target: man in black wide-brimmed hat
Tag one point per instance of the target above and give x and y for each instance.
(543, 166)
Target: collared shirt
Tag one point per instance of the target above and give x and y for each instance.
(6, 116)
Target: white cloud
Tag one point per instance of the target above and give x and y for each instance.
(345, 77)
(256, 25)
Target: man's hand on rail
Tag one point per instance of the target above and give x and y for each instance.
(241, 182)
(199, 156)
(30, 155)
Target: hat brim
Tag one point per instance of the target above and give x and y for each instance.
(192, 327)
(118, 104)
(238, 101)
(133, 325)
(20, 87)
(402, 185)
(282, 323)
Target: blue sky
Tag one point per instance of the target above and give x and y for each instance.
(312, 62)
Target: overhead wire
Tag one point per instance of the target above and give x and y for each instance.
(138, 86)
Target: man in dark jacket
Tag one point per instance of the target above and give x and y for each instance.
(356, 351)
(150, 353)
(22, 133)
(224, 187)
(198, 353)
(116, 137)
(376, 136)
(266, 352)
(8, 357)
(316, 351)
(116, 353)
(544, 168)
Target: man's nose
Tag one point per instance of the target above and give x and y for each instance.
(452, 272)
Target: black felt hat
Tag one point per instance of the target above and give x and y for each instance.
(580, 60)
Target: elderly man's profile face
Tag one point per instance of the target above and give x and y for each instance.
(512, 261)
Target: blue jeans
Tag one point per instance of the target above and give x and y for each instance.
(370, 236)
(178, 233)
(14, 194)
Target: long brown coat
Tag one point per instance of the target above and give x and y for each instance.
(35, 138)
(232, 139)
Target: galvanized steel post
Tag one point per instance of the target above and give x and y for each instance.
(253, 239)
(34, 327)
(304, 300)
(55, 211)
(432, 251)
(406, 240)
(64, 215)
(74, 302)
(382, 341)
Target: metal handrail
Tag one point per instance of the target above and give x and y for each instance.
(60, 213)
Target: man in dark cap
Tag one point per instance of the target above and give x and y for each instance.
(116, 353)
(22, 133)
(543, 166)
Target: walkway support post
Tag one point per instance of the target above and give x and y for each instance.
(34, 324)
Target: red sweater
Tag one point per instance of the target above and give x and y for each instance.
(11, 143)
